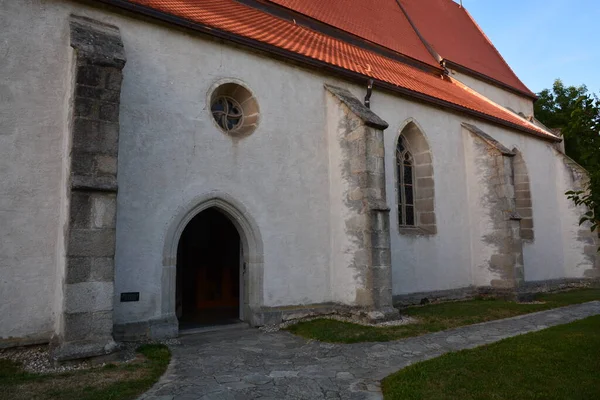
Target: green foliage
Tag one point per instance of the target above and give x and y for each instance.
(576, 113)
(437, 317)
(557, 363)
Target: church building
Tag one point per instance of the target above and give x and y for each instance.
(173, 164)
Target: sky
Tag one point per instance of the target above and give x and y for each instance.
(543, 40)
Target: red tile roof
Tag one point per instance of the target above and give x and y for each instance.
(379, 21)
(250, 23)
(456, 37)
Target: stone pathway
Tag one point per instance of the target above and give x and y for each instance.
(249, 364)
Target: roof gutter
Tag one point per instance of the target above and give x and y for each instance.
(354, 76)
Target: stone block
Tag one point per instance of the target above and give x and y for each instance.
(376, 165)
(526, 223)
(104, 210)
(78, 269)
(425, 193)
(425, 183)
(527, 234)
(522, 202)
(102, 269)
(423, 158)
(84, 349)
(90, 75)
(87, 92)
(114, 78)
(521, 178)
(86, 326)
(375, 148)
(80, 210)
(427, 218)
(374, 195)
(107, 165)
(109, 112)
(424, 205)
(132, 331)
(94, 183)
(424, 170)
(380, 220)
(358, 165)
(91, 243)
(355, 194)
(525, 212)
(428, 229)
(522, 187)
(380, 240)
(88, 297)
(357, 223)
(382, 257)
(83, 164)
(95, 137)
(502, 261)
(87, 108)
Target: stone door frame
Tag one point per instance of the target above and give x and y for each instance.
(251, 244)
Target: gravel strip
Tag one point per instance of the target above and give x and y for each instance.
(36, 359)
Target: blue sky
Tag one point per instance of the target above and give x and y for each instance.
(544, 39)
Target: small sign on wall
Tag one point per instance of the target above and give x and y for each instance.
(130, 296)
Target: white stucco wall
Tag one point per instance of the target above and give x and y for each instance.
(501, 96)
(34, 80)
(171, 152)
(342, 276)
(575, 238)
(445, 260)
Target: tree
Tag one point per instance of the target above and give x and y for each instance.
(576, 113)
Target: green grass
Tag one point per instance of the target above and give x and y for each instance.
(562, 362)
(437, 317)
(111, 382)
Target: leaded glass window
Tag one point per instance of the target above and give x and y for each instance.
(406, 181)
(227, 112)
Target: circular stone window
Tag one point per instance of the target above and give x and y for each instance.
(234, 109)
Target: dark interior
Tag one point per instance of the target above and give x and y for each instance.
(208, 272)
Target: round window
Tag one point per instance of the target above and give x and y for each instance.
(234, 109)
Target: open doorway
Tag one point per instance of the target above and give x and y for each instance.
(208, 271)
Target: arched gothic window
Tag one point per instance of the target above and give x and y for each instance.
(406, 184)
(415, 184)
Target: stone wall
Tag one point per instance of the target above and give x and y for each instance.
(87, 317)
(524, 205)
(358, 133)
(494, 177)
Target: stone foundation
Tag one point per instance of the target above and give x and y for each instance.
(525, 290)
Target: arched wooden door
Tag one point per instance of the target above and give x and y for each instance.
(208, 271)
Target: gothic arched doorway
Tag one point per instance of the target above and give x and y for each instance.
(208, 271)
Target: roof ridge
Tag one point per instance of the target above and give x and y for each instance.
(288, 5)
(493, 47)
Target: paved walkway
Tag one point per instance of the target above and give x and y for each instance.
(249, 364)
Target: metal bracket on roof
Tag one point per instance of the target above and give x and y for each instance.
(369, 93)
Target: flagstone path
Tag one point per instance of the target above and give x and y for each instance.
(250, 364)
